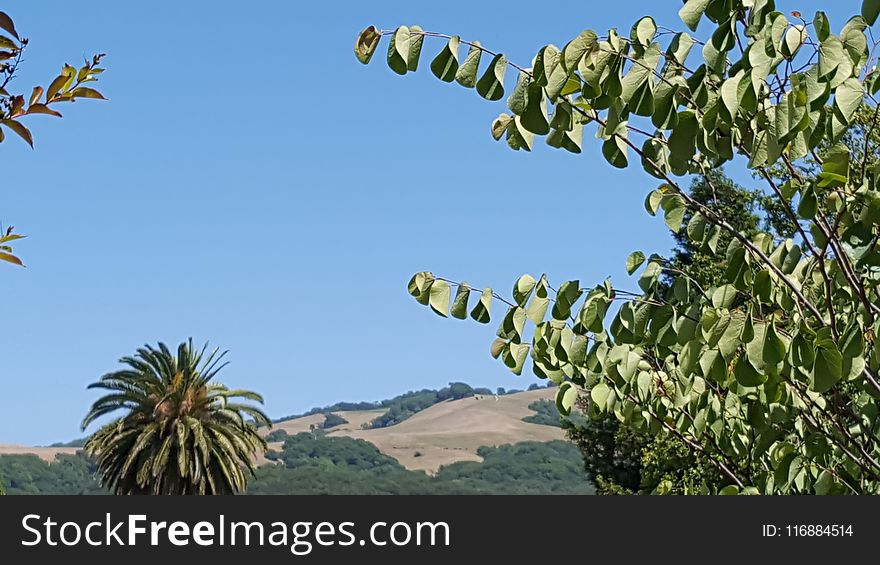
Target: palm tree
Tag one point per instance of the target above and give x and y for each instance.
(182, 433)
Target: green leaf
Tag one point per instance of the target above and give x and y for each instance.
(808, 205)
(835, 167)
(634, 261)
(497, 347)
(523, 289)
(827, 367)
(655, 157)
(544, 62)
(537, 307)
(578, 353)
(822, 26)
(467, 72)
(723, 296)
(575, 50)
(569, 293)
(714, 239)
(692, 11)
(761, 286)
(730, 95)
(653, 201)
(534, 119)
(650, 276)
(803, 356)
(366, 44)
(491, 84)
(518, 137)
(515, 356)
(644, 30)
(682, 142)
(696, 228)
(557, 79)
(460, 304)
(480, 313)
(795, 36)
(439, 301)
(599, 395)
(847, 99)
(665, 106)
(746, 375)
(85, 92)
(398, 51)
(674, 210)
(445, 65)
(773, 349)
(870, 10)
(637, 87)
(569, 397)
(831, 56)
(560, 394)
(420, 285)
(614, 149)
(569, 139)
(415, 48)
(518, 99)
(500, 125)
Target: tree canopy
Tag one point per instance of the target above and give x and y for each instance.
(181, 432)
(770, 373)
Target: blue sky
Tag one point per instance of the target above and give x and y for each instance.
(250, 184)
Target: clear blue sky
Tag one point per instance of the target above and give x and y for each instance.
(251, 184)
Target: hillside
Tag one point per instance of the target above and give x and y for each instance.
(445, 433)
(44, 453)
(474, 445)
(453, 431)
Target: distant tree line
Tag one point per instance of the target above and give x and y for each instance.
(342, 465)
(67, 474)
(405, 405)
(320, 464)
(547, 414)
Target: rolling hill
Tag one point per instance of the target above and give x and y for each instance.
(442, 434)
(447, 432)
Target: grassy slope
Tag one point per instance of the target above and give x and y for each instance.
(442, 434)
(447, 432)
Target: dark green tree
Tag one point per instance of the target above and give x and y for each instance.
(620, 460)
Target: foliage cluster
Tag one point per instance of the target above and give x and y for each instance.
(771, 373)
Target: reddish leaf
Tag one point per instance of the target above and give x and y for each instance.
(17, 106)
(42, 109)
(22, 131)
(6, 23)
(9, 258)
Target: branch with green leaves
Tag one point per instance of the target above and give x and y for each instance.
(772, 372)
